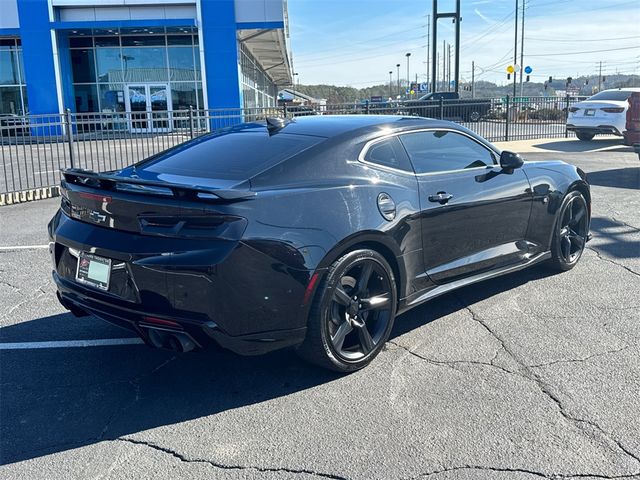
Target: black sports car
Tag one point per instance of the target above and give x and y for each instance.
(312, 233)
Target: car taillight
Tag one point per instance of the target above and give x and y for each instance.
(573, 109)
(613, 110)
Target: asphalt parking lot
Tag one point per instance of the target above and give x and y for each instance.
(532, 375)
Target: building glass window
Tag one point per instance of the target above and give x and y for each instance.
(181, 64)
(103, 66)
(258, 90)
(86, 97)
(13, 100)
(109, 65)
(144, 64)
(83, 65)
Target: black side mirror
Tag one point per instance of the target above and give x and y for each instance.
(509, 161)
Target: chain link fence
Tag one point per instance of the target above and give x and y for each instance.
(35, 148)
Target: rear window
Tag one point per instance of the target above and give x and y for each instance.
(235, 155)
(616, 95)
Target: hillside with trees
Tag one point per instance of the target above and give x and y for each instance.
(587, 85)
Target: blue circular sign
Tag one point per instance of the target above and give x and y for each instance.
(528, 70)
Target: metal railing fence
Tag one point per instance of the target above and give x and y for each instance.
(34, 148)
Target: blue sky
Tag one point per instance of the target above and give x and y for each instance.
(357, 42)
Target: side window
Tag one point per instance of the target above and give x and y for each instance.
(388, 153)
(443, 150)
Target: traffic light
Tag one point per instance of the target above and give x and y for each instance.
(528, 78)
(550, 79)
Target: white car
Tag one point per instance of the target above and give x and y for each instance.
(605, 112)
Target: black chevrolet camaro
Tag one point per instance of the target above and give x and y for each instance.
(311, 233)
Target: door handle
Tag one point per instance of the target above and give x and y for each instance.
(440, 197)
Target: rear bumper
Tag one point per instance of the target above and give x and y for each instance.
(204, 333)
(248, 298)
(599, 129)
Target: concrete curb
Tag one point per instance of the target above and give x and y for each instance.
(29, 195)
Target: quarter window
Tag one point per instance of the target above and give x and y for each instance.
(388, 153)
(444, 150)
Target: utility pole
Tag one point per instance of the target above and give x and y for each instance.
(436, 72)
(515, 50)
(434, 48)
(473, 79)
(600, 77)
(408, 77)
(448, 67)
(428, 40)
(398, 67)
(444, 65)
(457, 19)
(390, 83)
(522, 49)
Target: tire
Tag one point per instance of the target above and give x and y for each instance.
(584, 136)
(569, 232)
(352, 313)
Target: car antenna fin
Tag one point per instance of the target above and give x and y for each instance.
(274, 124)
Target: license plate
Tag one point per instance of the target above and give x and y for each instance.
(93, 270)
(589, 112)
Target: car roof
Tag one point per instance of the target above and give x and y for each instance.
(334, 125)
(625, 89)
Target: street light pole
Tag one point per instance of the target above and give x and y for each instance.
(522, 49)
(398, 67)
(408, 76)
(515, 51)
(390, 83)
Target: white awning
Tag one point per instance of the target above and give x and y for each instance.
(269, 48)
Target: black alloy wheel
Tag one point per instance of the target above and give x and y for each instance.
(572, 228)
(353, 313)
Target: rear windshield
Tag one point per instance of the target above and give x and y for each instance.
(235, 155)
(616, 95)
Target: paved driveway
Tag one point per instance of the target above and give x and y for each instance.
(532, 375)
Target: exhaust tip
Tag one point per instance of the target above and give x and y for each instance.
(178, 342)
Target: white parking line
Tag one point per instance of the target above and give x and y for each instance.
(24, 247)
(106, 342)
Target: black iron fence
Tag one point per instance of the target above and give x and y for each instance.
(35, 148)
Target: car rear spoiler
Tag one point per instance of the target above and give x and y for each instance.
(89, 178)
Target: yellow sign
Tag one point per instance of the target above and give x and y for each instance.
(510, 69)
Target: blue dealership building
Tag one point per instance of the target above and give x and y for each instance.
(129, 55)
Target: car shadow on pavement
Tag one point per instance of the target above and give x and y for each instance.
(613, 238)
(575, 146)
(54, 400)
(618, 177)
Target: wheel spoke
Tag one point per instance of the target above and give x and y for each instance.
(365, 275)
(570, 211)
(565, 244)
(341, 296)
(577, 240)
(340, 335)
(366, 342)
(576, 218)
(374, 303)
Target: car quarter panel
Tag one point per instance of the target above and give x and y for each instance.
(330, 200)
(550, 181)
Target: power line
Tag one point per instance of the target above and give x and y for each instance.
(584, 51)
(582, 40)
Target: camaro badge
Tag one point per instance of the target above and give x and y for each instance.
(97, 217)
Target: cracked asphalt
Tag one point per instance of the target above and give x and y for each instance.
(532, 375)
